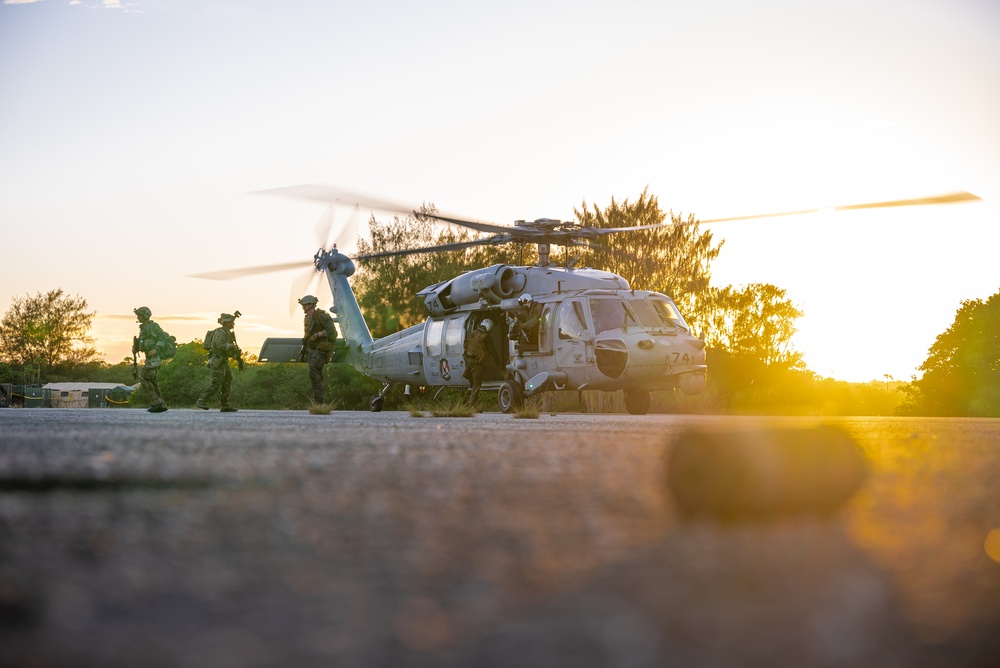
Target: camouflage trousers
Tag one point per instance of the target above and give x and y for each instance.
(222, 381)
(147, 376)
(317, 360)
(474, 374)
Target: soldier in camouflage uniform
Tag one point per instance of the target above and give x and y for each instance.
(150, 342)
(318, 342)
(221, 344)
(478, 346)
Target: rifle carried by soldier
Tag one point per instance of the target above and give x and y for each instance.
(135, 361)
(239, 351)
(313, 329)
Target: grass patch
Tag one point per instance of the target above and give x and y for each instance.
(414, 410)
(529, 410)
(453, 409)
(322, 409)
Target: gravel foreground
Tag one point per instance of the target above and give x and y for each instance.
(266, 538)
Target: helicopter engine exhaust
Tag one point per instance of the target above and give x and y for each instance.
(492, 285)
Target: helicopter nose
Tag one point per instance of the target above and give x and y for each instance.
(647, 357)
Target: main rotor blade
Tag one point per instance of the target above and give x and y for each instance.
(335, 196)
(602, 231)
(331, 195)
(458, 245)
(489, 228)
(950, 198)
(597, 248)
(250, 271)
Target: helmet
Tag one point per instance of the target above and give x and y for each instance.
(227, 317)
(525, 300)
(143, 312)
(308, 299)
(486, 324)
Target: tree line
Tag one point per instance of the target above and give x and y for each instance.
(753, 366)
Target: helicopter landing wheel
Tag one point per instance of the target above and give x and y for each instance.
(510, 397)
(376, 404)
(637, 401)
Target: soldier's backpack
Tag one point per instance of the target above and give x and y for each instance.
(207, 345)
(169, 347)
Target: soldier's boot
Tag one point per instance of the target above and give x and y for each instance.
(157, 408)
(201, 404)
(227, 409)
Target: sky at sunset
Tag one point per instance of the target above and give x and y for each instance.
(132, 135)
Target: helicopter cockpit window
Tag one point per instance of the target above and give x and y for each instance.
(433, 342)
(572, 321)
(645, 313)
(669, 314)
(544, 323)
(610, 315)
(453, 336)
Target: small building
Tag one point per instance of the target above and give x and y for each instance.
(87, 395)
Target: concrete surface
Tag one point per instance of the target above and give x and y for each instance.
(379, 539)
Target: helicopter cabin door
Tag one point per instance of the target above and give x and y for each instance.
(572, 340)
(443, 345)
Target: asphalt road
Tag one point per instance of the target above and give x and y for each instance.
(358, 539)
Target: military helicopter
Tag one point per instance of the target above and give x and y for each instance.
(594, 331)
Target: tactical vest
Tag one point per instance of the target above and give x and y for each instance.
(220, 340)
(318, 322)
(475, 345)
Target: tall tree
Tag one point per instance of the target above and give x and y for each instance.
(756, 321)
(961, 375)
(675, 260)
(53, 328)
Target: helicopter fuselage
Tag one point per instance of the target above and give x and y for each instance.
(594, 332)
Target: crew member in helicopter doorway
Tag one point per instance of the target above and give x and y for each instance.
(317, 344)
(478, 346)
(526, 321)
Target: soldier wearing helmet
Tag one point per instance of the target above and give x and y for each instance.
(478, 346)
(525, 329)
(318, 341)
(150, 342)
(222, 347)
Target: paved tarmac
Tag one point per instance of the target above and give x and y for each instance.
(267, 538)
